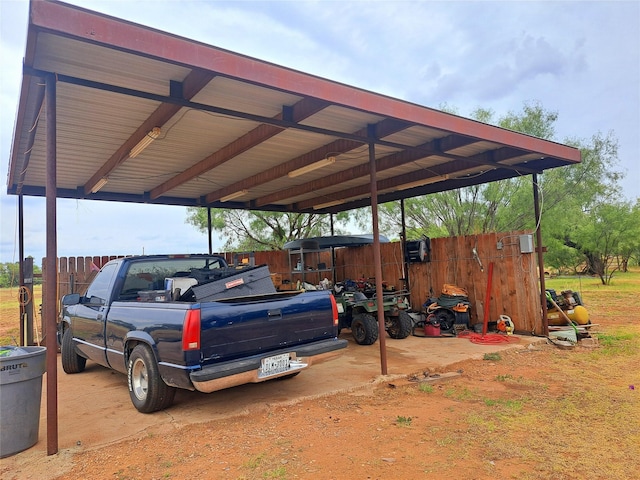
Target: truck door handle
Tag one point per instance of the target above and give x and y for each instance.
(275, 314)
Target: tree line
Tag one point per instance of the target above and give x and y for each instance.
(588, 227)
(10, 274)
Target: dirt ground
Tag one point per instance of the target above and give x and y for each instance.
(456, 410)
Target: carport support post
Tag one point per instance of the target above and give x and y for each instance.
(23, 327)
(376, 251)
(403, 240)
(51, 271)
(209, 230)
(543, 293)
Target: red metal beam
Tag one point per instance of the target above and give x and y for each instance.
(50, 300)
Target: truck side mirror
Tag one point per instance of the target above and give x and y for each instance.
(71, 299)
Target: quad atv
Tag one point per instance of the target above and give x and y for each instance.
(360, 313)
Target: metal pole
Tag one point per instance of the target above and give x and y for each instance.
(543, 295)
(23, 329)
(487, 300)
(209, 229)
(51, 270)
(403, 239)
(376, 253)
(26, 300)
(333, 252)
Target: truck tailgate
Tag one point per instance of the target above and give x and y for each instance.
(237, 328)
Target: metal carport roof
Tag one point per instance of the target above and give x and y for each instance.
(233, 126)
(111, 110)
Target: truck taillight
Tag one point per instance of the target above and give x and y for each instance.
(334, 308)
(191, 330)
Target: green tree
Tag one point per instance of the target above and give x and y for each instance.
(573, 197)
(10, 274)
(630, 245)
(249, 230)
(607, 232)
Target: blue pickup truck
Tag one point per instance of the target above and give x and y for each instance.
(193, 322)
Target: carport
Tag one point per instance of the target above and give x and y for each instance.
(111, 110)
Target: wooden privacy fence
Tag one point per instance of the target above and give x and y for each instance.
(515, 287)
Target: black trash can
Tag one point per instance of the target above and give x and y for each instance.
(21, 370)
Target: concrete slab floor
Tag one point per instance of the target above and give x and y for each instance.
(94, 408)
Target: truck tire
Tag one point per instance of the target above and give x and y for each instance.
(71, 361)
(400, 326)
(364, 328)
(147, 390)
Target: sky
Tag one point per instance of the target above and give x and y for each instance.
(580, 59)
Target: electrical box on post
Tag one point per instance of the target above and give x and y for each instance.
(526, 243)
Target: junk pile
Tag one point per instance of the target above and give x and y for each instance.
(451, 310)
(569, 303)
(568, 319)
(446, 315)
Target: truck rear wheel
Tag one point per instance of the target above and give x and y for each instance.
(147, 390)
(400, 326)
(71, 361)
(364, 328)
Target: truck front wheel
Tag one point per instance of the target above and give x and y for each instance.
(364, 328)
(147, 390)
(71, 361)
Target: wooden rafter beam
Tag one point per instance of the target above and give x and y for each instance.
(301, 110)
(383, 129)
(195, 81)
(441, 170)
(384, 163)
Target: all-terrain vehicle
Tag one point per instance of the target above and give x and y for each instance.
(360, 313)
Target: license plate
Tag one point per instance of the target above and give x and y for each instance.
(274, 365)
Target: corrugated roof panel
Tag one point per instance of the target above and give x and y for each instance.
(93, 125)
(183, 144)
(243, 97)
(474, 149)
(416, 135)
(270, 153)
(94, 62)
(340, 119)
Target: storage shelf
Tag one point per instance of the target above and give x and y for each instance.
(307, 260)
